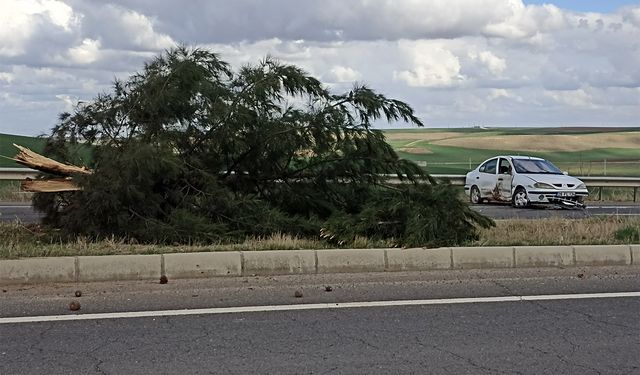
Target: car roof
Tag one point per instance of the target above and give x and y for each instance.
(520, 157)
(524, 157)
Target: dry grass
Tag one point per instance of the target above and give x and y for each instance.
(555, 231)
(426, 136)
(415, 150)
(19, 241)
(541, 143)
(10, 192)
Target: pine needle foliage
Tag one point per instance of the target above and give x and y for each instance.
(189, 150)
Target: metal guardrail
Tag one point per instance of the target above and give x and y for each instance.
(17, 173)
(454, 179)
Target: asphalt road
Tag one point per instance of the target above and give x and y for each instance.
(23, 212)
(560, 336)
(505, 211)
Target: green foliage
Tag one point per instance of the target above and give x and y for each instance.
(411, 215)
(190, 150)
(628, 234)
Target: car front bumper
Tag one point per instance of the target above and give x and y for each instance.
(557, 196)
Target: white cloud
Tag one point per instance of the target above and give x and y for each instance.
(85, 53)
(7, 77)
(492, 62)
(433, 65)
(456, 61)
(574, 98)
(345, 74)
(21, 19)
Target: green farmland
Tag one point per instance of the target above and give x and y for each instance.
(580, 151)
(7, 149)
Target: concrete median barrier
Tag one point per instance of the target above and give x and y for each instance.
(483, 257)
(293, 262)
(351, 260)
(279, 262)
(419, 259)
(38, 270)
(119, 267)
(611, 255)
(197, 265)
(543, 256)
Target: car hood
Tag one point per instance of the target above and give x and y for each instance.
(553, 179)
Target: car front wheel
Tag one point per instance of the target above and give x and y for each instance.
(520, 198)
(474, 196)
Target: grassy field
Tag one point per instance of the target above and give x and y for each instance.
(580, 151)
(7, 149)
(21, 241)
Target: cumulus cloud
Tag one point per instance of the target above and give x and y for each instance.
(433, 65)
(458, 62)
(21, 19)
(345, 74)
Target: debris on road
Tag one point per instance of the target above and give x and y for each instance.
(74, 306)
(298, 293)
(164, 279)
(78, 293)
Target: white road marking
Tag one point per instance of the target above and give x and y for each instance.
(613, 207)
(25, 206)
(311, 306)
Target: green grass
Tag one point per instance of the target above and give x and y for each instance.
(7, 149)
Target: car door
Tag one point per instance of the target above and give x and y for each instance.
(504, 180)
(487, 178)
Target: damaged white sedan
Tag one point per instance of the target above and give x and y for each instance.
(523, 180)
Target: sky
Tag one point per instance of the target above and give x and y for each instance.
(458, 63)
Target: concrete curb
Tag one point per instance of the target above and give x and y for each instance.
(294, 262)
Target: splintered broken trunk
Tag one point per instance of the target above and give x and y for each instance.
(34, 160)
(54, 185)
(41, 163)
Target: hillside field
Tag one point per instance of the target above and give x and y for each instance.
(580, 151)
(7, 149)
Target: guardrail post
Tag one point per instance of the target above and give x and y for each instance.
(600, 193)
(635, 194)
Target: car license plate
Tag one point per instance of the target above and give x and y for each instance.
(566, 194)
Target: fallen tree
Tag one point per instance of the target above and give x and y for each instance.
(191, 150)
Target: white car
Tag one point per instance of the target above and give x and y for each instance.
(523, 180)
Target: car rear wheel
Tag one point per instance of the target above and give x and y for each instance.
(520, 198)
(474, 196)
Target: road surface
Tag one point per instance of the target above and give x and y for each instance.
(596, 334)
(23, 212)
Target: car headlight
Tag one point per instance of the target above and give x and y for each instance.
(542, 185)
(581, 186)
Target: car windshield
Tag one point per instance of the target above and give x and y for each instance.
(535, 166)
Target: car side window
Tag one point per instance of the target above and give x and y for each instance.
(489, 167)
(505, 166)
